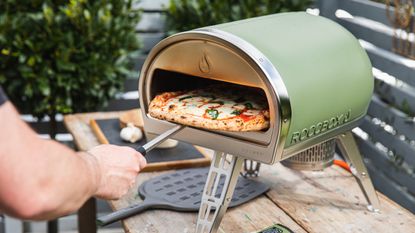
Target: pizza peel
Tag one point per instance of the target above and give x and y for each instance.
(182, 191)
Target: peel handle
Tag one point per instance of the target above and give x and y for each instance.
(159, 139)
(123, 213)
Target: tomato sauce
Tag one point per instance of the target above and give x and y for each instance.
(246, 117)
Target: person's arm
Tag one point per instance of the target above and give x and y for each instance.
(42, 179)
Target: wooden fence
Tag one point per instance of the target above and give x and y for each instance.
(388, 145)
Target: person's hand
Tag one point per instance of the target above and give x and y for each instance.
(117, 168)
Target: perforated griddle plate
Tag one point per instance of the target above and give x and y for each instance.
(182, 191)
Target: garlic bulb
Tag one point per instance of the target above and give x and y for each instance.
(131, 133)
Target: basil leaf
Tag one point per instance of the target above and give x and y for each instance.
(213, 113)
(185, 97)
(249, 105)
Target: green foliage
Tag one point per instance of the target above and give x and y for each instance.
(65, 56)
(189, 14)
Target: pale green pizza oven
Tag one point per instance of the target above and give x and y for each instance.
(316, 76)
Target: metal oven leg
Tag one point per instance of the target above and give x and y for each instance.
(215, 203)
(251, 168)
(350, 151)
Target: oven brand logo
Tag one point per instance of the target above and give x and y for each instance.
(204, 64)
(320, 127)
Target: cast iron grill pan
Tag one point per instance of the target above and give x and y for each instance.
(182, 191)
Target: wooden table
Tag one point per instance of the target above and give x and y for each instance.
(327, 201)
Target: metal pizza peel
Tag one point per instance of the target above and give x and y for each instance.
(182, 191)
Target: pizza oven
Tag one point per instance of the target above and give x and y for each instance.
(316, 77)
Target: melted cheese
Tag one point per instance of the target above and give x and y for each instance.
(199, 103)
(225, 111)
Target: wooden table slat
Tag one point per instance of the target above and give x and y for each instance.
(331, 201)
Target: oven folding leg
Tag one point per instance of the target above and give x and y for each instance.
(251, 168)
(214, 204)
(350, 151)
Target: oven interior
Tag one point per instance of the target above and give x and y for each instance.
(166, 80)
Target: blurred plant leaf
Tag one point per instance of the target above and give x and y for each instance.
(185, 15)
(65, 56)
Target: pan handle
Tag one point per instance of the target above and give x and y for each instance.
(124, 213)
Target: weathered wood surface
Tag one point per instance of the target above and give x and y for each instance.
(249, 217)
(314, 202)
(331, 201)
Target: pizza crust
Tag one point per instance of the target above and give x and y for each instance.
(159, 110)
(254, 124)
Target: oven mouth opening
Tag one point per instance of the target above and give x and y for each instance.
(170, 81)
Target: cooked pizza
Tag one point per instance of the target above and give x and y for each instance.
(222, 107)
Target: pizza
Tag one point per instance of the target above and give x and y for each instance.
(222, 107)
